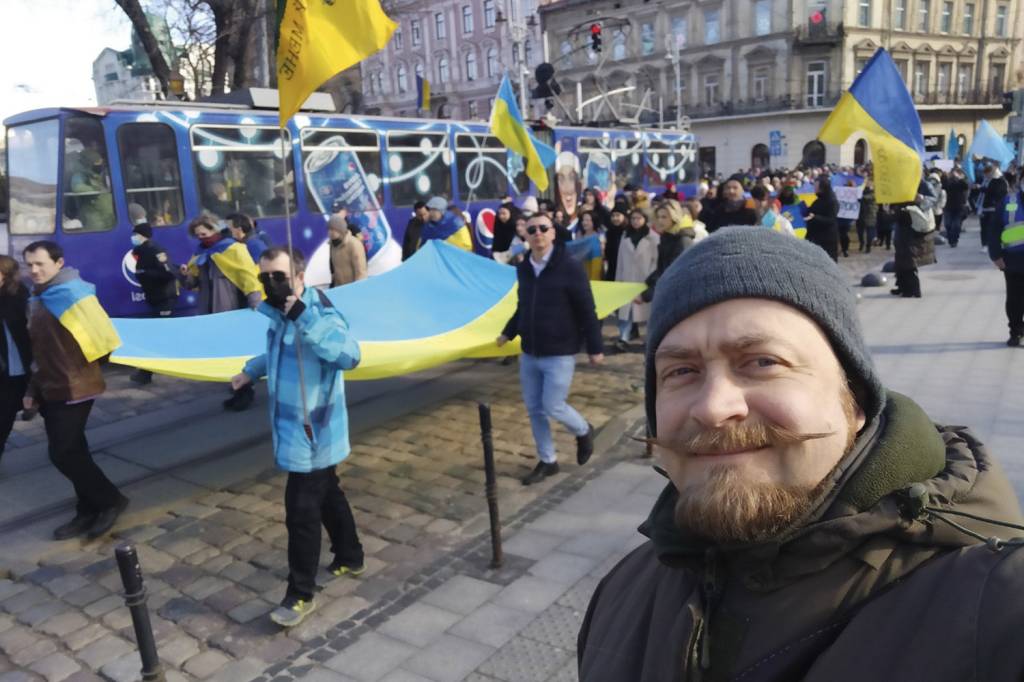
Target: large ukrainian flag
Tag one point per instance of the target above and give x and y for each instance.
(879, 107)
(443, 304)
(319, 38)
(76, 307)
(508, 126)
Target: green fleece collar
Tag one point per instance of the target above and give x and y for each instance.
(906, 448)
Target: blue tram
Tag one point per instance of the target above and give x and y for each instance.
(74, 174)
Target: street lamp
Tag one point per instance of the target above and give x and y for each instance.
(673, 57)
(518, 31)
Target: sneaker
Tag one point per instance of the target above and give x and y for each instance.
(621, 346)
(106, 519)
(141, 377)
(75, 527)
(896, 292)
(1013, 341)
(585, 446)
(338, 569)
(540, 472)
(240, 399)
(292, 611)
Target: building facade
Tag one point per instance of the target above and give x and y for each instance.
(127, 74)
(462, 47)
(758, 78)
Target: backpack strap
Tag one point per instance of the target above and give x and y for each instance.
(324, 301)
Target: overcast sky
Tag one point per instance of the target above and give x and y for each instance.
(47, 48)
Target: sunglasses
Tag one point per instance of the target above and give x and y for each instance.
(276, 276)
(533, 229)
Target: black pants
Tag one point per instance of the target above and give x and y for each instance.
(1015, 302)
(908, 283)
(311, 500)
(163, 310)
(844, 235)
(12, 390)
(69, 452)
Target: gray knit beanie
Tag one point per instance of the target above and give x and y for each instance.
(756, 262)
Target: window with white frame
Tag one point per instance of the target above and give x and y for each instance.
(471, 66)
(946, 24)
(711, 89)
(417, 37)
(943, 78)
(647, 39)
(528, 52)
(681, 31)
(619, 45)
(492, 62)
(467, 19)
(712, 25)
(402, 75)
(489, 14)
(1001, 14)
(440, 26)
(763, 17)
(760, 83)
(396, 38)
(859, 64)
(419, 69)
(924, 15)
(969, 18)
(864, 12)
(997, 76)
(963, 80)
(922, 71)
(473, 109)
(443, 70)
(817, 77)
(899, 14)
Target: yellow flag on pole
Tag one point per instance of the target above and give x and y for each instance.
(317, 39)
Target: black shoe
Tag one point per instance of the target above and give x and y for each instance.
(540, 472)
(621, 346)
(141, 377)
(1013, 341)
(896, 292)
(106, 519)
(75, 527)
(241, 400)
(585, 446)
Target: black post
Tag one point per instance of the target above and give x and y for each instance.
(491, 486)
(135, 600)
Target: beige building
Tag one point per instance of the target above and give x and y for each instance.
(757, 78)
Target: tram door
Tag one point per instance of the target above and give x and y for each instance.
(546, 136)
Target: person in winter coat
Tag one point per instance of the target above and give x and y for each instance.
(886, 223)
(938, 184)
(348, 257)
(309, 424)
(677, 234)
(867, 221)
(731, 208)
(555, 317)
(446, 226)
(618, 222)
(413, 230)
(1006, 249)
(822, 227)
(957, 192)
(15, 348)
(155, 273)
(638, 259)
(993, 196)
(505, 227)
(805, 530)
(915, 243)
(767, 211)
(243, 230)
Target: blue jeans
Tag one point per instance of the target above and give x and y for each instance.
(626, 326)
(954, 220)
(545, 382)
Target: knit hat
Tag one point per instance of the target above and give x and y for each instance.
(746, 262)
(144, 229)
(437, 204)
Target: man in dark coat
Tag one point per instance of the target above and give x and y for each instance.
(956, 206)
(995, 189)
(1006, 249)
(731, 208)
(805, 532)
(555, 317)
(822, 221)
(915, 243)
(157, 278)
(413, 230)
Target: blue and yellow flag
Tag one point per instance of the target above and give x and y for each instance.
(953, 146)
(319, 38)
(508, 126)
(441, 305)
(988, 144)
(587, 250)
(76, 307)
(879, 107)
(422, 93)
(233, 260)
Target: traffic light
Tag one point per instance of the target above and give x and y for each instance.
(595, 37)
(547, 86)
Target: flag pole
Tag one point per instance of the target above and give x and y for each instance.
(307, 425)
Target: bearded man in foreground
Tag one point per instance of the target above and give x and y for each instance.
(807, 532)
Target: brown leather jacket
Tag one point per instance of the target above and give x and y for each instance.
(864, 589)
(61, 373)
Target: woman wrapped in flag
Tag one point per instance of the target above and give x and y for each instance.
(446, 226)
(221, 271)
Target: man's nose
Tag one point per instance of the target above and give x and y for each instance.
(719, 401)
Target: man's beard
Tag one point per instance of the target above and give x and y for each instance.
(728, 508)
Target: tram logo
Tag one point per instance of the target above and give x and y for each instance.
(485, 228)
(128, 269)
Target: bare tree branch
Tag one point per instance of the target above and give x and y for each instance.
(161, 70)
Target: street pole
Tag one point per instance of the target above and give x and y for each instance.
(135, 600)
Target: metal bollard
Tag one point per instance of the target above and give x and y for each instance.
(135, 600)
(491, 485)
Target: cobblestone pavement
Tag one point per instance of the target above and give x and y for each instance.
(215, 563)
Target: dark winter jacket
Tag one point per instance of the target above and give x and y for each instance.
(823, 228)
(868, 209)
(914, 249)
(956, 196)
(505, 230)
(612, 239)
(156, 275)
(14, 315)
(670, 247)
(723, 215)
(1006, 240)
(411, 240)
(555, 314)
(862, 590)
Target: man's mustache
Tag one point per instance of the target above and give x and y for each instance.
(733, 439)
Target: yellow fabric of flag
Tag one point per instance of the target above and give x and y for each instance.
(320, 38)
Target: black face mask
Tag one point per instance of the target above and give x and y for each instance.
(335, 242)
(277, 286)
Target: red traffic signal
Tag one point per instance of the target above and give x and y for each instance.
(595, 37)
(817, 17)
(595, 29)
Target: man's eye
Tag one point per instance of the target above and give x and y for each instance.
(679, 372)
(766, 362)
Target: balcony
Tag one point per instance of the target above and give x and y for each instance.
(824, 34)
(975, 97)
(826, 100)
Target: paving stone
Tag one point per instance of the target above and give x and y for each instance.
(103, 606)
(250, 610)
(449, 659)
(85, 595)
(6, 623)
(237, 571)
(419, 624)
(118, 619)
(126, 668)
(532, 544)
(205, 664)
(370, 658)
(29, 598)
(578, 596)
(9, 588)
(562, 568)
(237, 671)
(36, 615)
(530, 593)
(16, 638)
(524, 660)
(205, 587)
(87, 635)
(492, 624)
(324, 675)
(87, 676)
(39, 649)
(558, 626)
(64, 624)
(401, 675)
(178, 649)
(65, 583)
(103, 651)
(17, 676)
(462, 594)
(153, 561)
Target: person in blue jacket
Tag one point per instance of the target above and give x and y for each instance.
(309, 422)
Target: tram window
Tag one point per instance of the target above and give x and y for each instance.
(88, 201)
(33, 150)
(629, 168)
(657, 169)
(238, 169)
(152, 179)
(517, 169)
(329, 171)
(482, 166)
(418, 167)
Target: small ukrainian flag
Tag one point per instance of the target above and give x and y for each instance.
(508, 126)
(422, 93)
